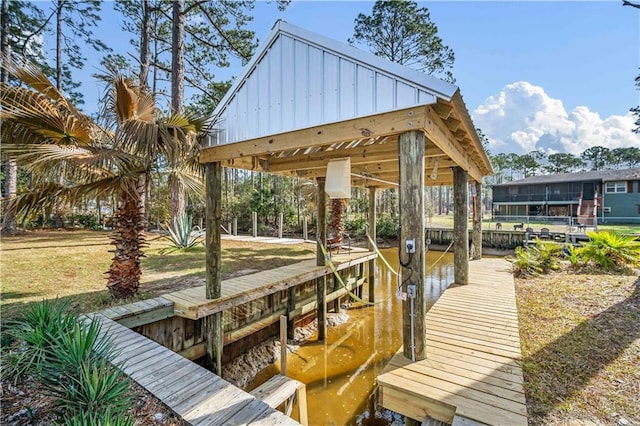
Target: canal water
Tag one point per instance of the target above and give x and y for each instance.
(340, 372)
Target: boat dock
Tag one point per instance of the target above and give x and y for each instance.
(473, 370)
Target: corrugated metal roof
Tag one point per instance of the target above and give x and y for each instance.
(601, 175)
(300, 79)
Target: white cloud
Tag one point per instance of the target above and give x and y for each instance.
(522, 118)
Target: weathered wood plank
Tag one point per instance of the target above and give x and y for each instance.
(188, 389)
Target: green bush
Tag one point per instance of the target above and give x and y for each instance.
(89, 221)
(526, 262)
(388, 226)
(38, 327)
(103, 418)
(535, 260)
(70, 359)
(610, 250)
(356, 226)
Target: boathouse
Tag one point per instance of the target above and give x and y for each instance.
(306, 102)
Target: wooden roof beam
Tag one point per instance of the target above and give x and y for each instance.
(443, 110)
(375, 125)
(441, 136)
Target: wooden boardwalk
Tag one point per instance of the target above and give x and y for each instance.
(473, 368)
(192, 392)
(192, 303)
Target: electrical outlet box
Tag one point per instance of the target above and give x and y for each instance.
(410, 246)
(411, 290)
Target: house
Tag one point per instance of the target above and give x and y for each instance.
(589, 198)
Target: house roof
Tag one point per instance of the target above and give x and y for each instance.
(594, 175)
(300, 85)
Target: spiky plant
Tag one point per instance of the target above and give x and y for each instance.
(73, 158)
(611, 250)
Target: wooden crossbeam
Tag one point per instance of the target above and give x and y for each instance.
(383, 124)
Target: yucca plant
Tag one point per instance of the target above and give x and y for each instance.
(102, 418)
(95, 387)
(183, 235)
(610, 250)
(72, 157)
(38, 329)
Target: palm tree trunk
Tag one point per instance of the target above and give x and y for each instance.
(178, 203)
(128, 239)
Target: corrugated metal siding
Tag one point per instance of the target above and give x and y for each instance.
(296, 85)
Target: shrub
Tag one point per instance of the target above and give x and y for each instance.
(388, 226)
(526, 262)
(70, 358)
(356, 227)
(534, 260)
(610, 250)
(38, 328)
(183, 235)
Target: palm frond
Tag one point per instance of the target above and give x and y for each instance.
(32, 75)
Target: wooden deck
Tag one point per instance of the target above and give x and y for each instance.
(473, 368)
(193, 392)
(192, 303)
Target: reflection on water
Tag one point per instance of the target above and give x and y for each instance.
(340, 372)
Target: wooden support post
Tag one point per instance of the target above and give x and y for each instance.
(477, 222)
(372, 234)
(305, 232)
(213, 323)
(235, 226)
(321, 232)
(321, 283)
(291, 306)
(460, 231)
(283, 345)
(254, 220)
(280, 224)
(321, 293)
(229, 231)
(414, 308)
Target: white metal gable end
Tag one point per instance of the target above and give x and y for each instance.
(300, 79)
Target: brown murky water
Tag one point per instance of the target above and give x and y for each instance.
(340, 372)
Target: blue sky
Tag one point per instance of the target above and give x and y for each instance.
(538, 69)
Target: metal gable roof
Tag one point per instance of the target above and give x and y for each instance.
(298, 79)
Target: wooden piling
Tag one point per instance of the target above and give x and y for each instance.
(412, 225)
(254, 220)
(321, 283)
(476, 236)
(283, 345)
(305, 232)
(460, 232)
(235, 226)
(280, 224)
(213, 323)
(291, 306)
(372, 233)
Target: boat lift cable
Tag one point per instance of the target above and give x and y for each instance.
(338, 277)
(353, 295)
(375, 248)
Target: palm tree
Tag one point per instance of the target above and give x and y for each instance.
(71, 157)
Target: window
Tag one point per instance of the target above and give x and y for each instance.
(615, 187)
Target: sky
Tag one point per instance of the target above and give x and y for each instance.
(552, 76)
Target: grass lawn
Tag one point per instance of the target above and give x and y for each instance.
(71, 264)
(580, 337)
